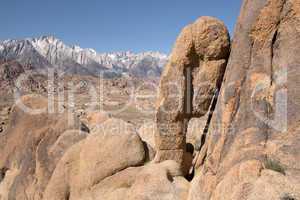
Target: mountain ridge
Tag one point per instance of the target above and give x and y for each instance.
(49, 51)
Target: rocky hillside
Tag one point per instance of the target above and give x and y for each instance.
(10, 71)
(227, 125)
(48, 51)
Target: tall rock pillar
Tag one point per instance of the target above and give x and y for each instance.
(189, 83)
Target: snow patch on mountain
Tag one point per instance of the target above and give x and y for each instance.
(48, 50)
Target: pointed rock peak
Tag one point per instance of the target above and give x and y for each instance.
(92, 50)
(48, 37)
(76, 48)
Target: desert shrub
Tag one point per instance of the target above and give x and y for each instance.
(287, 197)
(274, 165)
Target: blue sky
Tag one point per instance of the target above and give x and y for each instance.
(111, 25)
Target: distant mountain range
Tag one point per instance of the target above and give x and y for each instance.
(48, 51)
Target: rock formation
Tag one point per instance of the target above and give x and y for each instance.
(94, 119)
(252, 148)
(10, 71)
(196, 131)
(249, 141)
(114, 147)
(31, 147)
(161, 181)
(147, 132)
(189, 82)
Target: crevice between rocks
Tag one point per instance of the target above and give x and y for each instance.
(209, 120)
(268, 105)
(274, 39)
(3, 173)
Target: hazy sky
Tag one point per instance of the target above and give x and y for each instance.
(111, 25)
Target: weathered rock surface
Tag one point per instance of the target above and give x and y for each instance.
(112, 148)
(189, 83)
(94, 119)
(251, 148)
(196, 130)
(31, 147)
(161, 181)
(147, 132)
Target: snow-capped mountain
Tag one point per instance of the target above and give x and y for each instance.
(48, 51)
